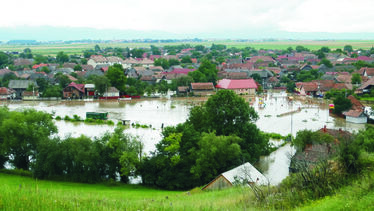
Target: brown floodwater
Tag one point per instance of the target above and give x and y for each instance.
(313, 115)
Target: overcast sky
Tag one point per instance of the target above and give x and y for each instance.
(195, 16)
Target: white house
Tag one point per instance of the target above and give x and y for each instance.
(355, 116)
(243, 174)
(112, 92)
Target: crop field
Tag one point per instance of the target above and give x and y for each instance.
(53, 49)
(25, 193)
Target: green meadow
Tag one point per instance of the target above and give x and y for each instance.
(25, 193)
(53, 49)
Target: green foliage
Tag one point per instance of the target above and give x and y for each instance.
(326, 62)
(217, 47)
(102, 83)
(348, 48)
(291, 86)
(164, 63)
(300, 48)
(186, 60)
(21, 133)
(305, 137)
(77, 68)
(38, 59)
(365, 138)
(137, 53)
(356, 78)
(62, 79)
(4, 59)
(173, 62)
(341, 104)
(116, 76)
(62, 57)
(53, 91)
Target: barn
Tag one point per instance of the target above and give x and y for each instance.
(242, 174)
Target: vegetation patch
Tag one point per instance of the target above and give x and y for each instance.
(76, 118)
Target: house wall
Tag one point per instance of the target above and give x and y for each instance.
(111, 94)
(358, 120)
(218, 183)
(92, 62)
(72, 94)
(30, 97)
(202, 93)
(245, 91)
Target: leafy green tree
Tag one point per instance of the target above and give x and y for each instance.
(199, 47)
(62, 57)
(356, 78)
(77, 68)
(305, 137)
(164, 63)
(209, 70)
(62, 79)
(97, 48)
(137, 53)
(116, 76)
(300, 48)
(197, 76)
(22, 131)
(215, 155)
(155, 50)
(326, 62)
(217, 47)
(6, 78)
(42, 84)
(291, 86)
(26, 54)
(4, 59)
(289, 49)
(102, 83)
(186, 60)
(325, 49)
(257, 78)
(38, 59)
(173, 62)
(341, 104)
(53, 91)
(348, 48)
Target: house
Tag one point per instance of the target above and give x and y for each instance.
(202, 88)
(314, 153)
(89, 90)
(366, 71)
(356, 113)
(307, 88)
(19, 86)
(243, 174)
(7, 94)
(30, 95)
(111, 93)
(182, 90)
(74, 91)
(242, 86)
(366, 87)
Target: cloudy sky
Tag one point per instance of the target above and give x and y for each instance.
(196, 16)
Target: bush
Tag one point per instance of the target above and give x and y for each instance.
(67, 118)
(110, 122)
(58, 118)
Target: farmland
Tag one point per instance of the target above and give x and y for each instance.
(71, 49)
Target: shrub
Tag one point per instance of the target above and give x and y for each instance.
(58, 118)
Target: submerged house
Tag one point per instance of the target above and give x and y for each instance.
(356, 114)
(243, 174)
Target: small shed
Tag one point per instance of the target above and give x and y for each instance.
(243, 174)
(356, 116)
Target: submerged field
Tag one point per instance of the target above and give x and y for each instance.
(25, 193)
(53, 49)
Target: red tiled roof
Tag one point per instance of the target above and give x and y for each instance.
(353, 113)
(202, 86)
(79, 87)
(36, 66)
(237, 84)
(356, 104)
(6, 91)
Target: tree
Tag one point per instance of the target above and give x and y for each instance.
(4, 59)
(348, 48)
(215, 155)
(53, 91)
(199, 47)
(291, 86)
(22, 132)
(26, 54)
(341, 104)
(137, 53)
(209, 70)
(102, 83)
(356, 78)
(186, 59)
(77, 68)
(155, 50)
(45, 69)
(326, 62)
(38, 59)
(97, 48)
(164, 63)
(116, 76)
(173, 62)
(257, 78)
(62, 79)
(197, 76)
(62, 57)
(325, 49)
(42, 84)
(300, 48)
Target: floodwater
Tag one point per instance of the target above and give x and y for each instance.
(170, 112)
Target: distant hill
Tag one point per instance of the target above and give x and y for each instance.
(50, 33)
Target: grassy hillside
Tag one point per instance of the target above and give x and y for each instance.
(25, 193)
(53, 49)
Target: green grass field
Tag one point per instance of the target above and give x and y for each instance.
(53, 49)
(25, 193)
